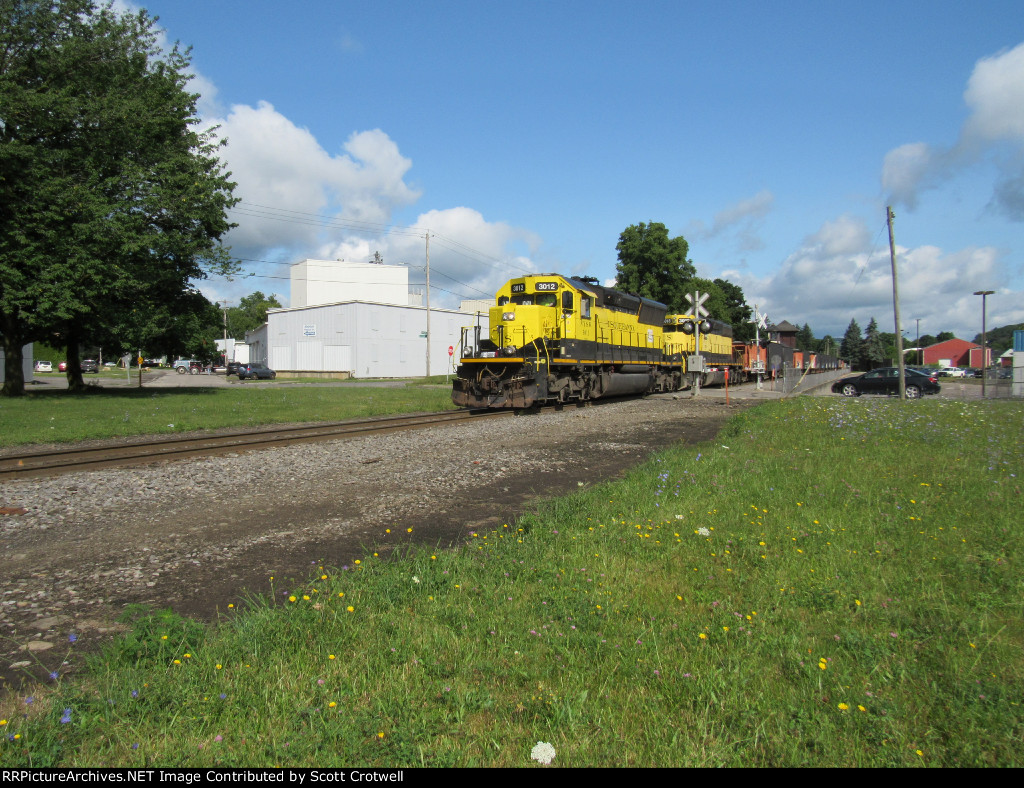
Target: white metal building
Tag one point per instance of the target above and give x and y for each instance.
(317, 282)
(358, 339)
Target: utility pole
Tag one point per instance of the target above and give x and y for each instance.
(225, 308)
(428, 303)
(889, 215)
(918, 341)
(984, 339)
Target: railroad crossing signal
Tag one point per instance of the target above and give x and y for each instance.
(696, 301)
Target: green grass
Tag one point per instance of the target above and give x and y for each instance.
(855, 601)
(60, 417)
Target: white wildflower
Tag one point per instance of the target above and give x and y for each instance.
(415, 579)
(543, 753)
(704, 532)
(679, 517)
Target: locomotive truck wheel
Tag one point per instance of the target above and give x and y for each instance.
(849, 390)
(913, 392)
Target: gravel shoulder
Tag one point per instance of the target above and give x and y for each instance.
(196, 535)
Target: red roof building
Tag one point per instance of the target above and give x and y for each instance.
(955, 353)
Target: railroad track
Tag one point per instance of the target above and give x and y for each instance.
(54, 463)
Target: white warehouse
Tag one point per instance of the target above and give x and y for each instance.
(359, 339)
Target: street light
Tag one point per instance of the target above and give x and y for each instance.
(984, 354)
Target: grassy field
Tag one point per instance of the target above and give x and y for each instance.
(830, 583)
(58, 417)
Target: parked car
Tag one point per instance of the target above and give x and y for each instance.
(886, 380)
(232, 368)
(62, 366)
(952, 372)
(91, 365)
(255, 372)
(43, 366)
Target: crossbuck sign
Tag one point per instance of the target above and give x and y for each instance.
(696, 301)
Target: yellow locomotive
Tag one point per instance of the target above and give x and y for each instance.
(716, 347)
(557, 339)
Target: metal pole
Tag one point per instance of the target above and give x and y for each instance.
(896, 304)
(984, 339)
(428, 303)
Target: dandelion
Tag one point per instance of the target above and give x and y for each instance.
(843, 707)
(350, 609)
(332, 704)
(702, 636)
(331, 656)
(860, 708)
(543, 753)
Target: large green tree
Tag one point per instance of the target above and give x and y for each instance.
(250, 314)
(737, 311)
(874, 351)
(851, 349)
(653, 265)
(111, 199)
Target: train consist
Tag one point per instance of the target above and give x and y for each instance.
(557, 339)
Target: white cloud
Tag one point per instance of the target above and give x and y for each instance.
(837, 276)
(994, 131)
(468, 254)
(739, 221)
(287, 181)
(995, 94)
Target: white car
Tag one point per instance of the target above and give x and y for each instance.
(44, 366)
(952, 372)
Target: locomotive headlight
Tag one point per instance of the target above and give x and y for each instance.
(508, 315)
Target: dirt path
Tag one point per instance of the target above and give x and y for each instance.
(198, 535)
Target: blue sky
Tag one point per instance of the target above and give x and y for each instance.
(528, 135)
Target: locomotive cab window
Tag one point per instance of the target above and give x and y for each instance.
(502, 301)
(547, 299)
(585, 307)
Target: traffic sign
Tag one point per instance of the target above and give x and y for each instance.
(451, 351)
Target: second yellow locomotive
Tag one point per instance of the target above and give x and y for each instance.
(559, 339)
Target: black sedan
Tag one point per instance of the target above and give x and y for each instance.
(886, 380)
(255, 372)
